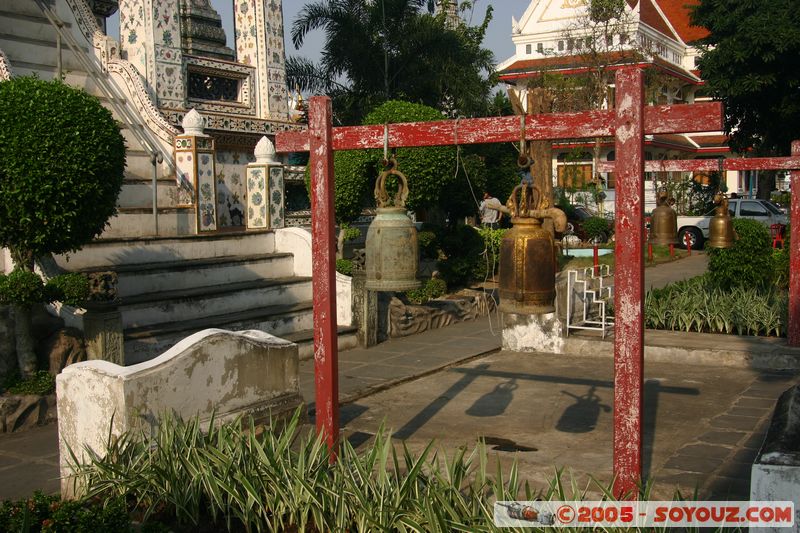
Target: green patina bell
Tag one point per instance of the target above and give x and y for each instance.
(392, 252)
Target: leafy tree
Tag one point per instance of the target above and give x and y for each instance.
(392, 49)
(751, 61)
(62, 159)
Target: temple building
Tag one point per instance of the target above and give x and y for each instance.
(564, 39)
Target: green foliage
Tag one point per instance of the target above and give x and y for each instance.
(490, 263)
(428, 244)
(21, 287)
(24, 287)
(750, 62)
(70, 289)
(61, 167)
(748, 263)
(606, 10)
(350, 233)
(699, 304)
(692, 198)
(433, 288)
(344, 266)
(462, 250)
(596, 227)
(430, 170)
(282, 480)
(41, 383)
(49, 514)
(393, 49)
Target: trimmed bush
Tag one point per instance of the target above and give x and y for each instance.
(21, 287)
(49, 514)
(71, 289)
(748, 263)
(596, 227)
(344, 266)
(462, 250)
(62, 158)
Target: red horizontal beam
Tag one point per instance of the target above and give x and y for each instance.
(552, 126)
(711, 165)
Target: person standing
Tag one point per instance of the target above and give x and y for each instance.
(489, 211)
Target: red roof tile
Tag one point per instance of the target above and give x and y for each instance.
(678, 13)
(650, 16)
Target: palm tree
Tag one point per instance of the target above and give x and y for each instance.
(379, 50)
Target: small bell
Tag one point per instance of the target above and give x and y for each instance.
(392, 252)
(664, 225)
(527, 258)
(720, 229)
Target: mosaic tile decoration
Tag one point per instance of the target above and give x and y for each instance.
(187, 178)
(245, 31)
(206, 193)
(257, 197)
(276, 197)
(231, 167)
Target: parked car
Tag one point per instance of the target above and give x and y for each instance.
(696, 228)
(578, 216)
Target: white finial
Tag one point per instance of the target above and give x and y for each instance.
(265, 151)
(193, 123)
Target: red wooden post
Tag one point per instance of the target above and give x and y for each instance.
(629, 282)
(323, 254)
(595, 261)
(794, 255)
(687, 240)
(672, 251)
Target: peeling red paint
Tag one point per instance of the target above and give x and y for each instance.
(794, 256)
(323, 252)
(552, 126)
(629, 282)
(710, 165)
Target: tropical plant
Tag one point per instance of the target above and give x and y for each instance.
(344, 266)
(392, 49)
(282, 480)
(699, 304)
(490, 262)
(748, 263)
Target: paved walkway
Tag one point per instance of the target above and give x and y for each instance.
(703, 424)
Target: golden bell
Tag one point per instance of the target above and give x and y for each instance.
(527, 259)
(720, 229)
(664, 225)
(392, 251)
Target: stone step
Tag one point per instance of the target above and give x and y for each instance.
(347, 339)
(138, 192)
(283, 320)
(28, 24)
(193, 273)
(37, 50)
(108, 254)
(138, 222)
(200, 302)
(138, 162)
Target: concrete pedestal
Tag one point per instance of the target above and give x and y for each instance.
(365, 310)
(102, 328)
(533, 333)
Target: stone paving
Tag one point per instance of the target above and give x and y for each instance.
(703, 423)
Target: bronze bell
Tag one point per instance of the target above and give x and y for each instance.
(392, 252)
(720, 229)
(664, 225)
(527, 256)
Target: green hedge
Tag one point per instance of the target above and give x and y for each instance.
(748, 263)
(49, 514)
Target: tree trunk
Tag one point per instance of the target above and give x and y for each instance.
(26, 357)
(766, 184)
(340, 244)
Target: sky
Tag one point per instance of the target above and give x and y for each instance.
(498, 35)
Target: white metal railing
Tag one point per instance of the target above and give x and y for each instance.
(592, 291)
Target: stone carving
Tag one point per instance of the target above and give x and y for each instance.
(405, 319)
(61, 349)
(265, 151)
(18, 413)
(201, 30)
